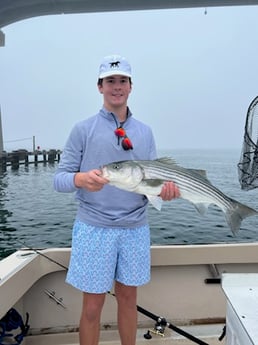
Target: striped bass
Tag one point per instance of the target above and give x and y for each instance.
(147, 177)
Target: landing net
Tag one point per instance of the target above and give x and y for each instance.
(248, 164)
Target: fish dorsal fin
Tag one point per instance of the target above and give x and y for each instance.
(200, 172)
(172, 161)
(166, 160)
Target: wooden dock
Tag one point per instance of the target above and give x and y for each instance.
(23, 157)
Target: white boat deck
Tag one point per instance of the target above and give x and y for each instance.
(207, 333)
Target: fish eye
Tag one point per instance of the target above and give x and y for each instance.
(116, 166)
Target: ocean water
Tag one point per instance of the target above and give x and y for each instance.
(32, 214)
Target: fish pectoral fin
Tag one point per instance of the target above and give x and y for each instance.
(201, 208)
(156, 201)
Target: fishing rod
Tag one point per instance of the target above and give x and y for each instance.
(44, 256)
(161, 322)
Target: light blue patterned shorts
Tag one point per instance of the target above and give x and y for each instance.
(101, 255)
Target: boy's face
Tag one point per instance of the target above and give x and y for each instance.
(115, 90)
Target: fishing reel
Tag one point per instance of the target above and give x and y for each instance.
(159, 329)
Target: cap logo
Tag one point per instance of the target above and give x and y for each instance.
(114, 64)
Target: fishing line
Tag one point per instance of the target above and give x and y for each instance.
(160, 321)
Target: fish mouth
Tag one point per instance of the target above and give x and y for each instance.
(102, 170)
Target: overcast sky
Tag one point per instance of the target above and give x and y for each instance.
(194, 74)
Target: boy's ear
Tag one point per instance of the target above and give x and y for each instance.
(100, 88)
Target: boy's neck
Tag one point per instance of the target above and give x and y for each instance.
(120, 112)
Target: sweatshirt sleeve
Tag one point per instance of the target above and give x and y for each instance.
(70, 163)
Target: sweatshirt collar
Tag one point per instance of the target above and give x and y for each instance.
(110, 115)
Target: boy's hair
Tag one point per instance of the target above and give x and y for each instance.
(100, 81)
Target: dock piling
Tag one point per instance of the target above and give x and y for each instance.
(23, 157)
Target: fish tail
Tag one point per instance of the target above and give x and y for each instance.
(237, 213)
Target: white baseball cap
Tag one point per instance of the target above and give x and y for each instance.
(114, 65)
